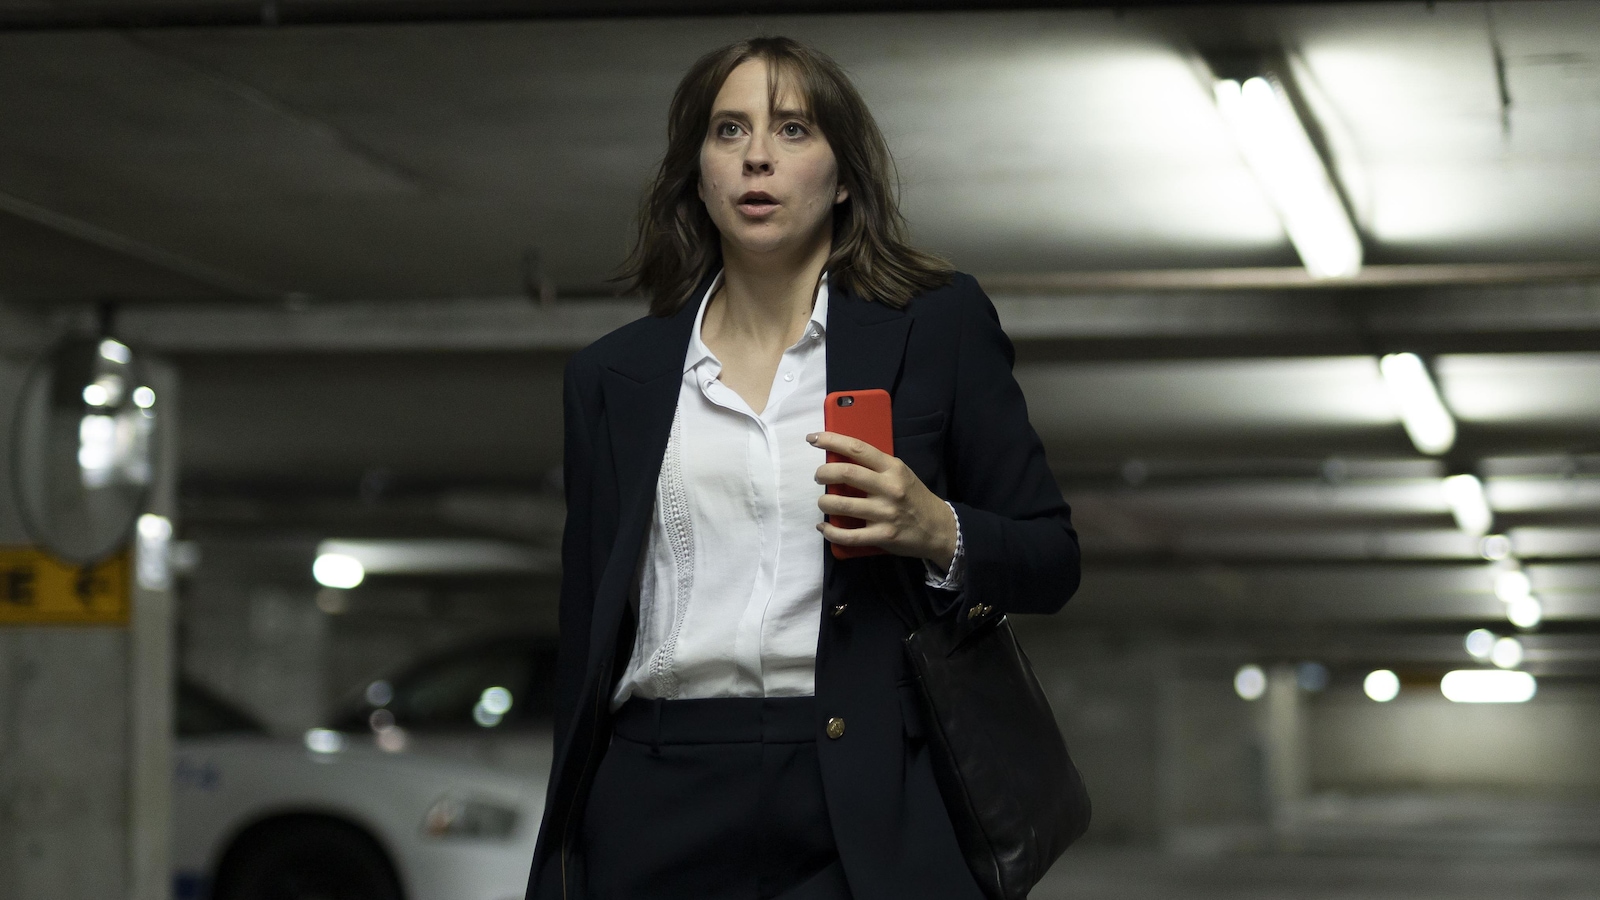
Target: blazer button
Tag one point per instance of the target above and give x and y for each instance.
(839, 610)
(836, 728)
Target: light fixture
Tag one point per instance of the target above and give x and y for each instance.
(336, 570)
(1494, 547)
(1511, 585)
(1381, 685)
(1480, 643)
(1507, 653)
(1525, 612)
(441, 556)
(1416, 399)
(1250, 682)
(324, 740)
(115, 351)
(1487, 686)
(1276, 147)
(1468, 504)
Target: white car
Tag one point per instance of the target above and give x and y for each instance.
(333, 817)
(489, 702)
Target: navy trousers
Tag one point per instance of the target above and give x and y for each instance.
(717, 799)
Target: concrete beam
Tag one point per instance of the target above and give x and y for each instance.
(133, 248)
(1118, 324)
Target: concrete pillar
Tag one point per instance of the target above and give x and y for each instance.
(85, 720)
(1283, 740)
(152, 662)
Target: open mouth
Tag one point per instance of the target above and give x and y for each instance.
(757, 202)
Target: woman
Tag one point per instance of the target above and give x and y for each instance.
(734, 718)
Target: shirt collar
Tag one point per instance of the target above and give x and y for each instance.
(698, 351)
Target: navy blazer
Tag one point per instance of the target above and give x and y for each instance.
(960, 423)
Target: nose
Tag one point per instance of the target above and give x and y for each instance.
(758, 156)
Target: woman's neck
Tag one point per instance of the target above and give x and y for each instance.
(766, 300)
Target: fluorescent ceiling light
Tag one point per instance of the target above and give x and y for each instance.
(337, 570)
(1250, 682)
(1526, 612)
(1381, 685)
(440, 556)
(1464, 494)
(1429, 424)
(1278, 150)
(1494, 547)
(1480, 643)
(1507, 653)
(1488, 686)
(1512, 585)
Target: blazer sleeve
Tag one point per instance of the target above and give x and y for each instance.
(580, 414)
(1021, 550)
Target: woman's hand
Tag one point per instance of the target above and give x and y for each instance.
(902, 516)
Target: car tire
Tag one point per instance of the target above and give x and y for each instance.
(306, 859)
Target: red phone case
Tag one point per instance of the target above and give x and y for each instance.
(867, 416)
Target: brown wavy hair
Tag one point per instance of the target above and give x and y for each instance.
(678, 245)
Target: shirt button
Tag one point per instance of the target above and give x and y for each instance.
(835, 728)
(788, 376)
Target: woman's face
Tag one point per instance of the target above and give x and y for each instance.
(767, 176)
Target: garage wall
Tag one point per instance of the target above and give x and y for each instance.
(1421, 740)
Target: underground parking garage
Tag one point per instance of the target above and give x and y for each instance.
(1305, 303)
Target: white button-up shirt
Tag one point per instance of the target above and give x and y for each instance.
(730, 587)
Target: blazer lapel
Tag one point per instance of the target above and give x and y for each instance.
(639, 385)
(866, 348)
(866, 343)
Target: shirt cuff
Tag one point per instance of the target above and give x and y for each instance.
(951, 580)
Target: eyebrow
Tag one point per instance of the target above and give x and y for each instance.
(776, 114)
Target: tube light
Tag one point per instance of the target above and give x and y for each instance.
(337, 570)
(1507, 653)
(1487, 686)
(1525, 612)
(1278, 150)
(115, 351)
(1381, 685)
(1480, 643)
(1464, 494)
(1250, 682)
(1512, 585)
(1416, 399)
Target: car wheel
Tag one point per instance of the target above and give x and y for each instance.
(306, 859)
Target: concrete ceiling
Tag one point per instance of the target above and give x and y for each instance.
(1231, 454)
(408, 161)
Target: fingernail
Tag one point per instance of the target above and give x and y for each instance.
(812, 437)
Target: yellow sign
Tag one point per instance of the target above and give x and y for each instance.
(38, 589)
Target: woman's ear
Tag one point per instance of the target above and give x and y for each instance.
(840, 194)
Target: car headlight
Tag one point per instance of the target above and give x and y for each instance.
(453, 816)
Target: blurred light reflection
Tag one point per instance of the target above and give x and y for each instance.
(1381, 685)
(1507, 653)
(1487, 686)
(1250, 682)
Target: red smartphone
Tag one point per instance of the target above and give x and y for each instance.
(866, 416)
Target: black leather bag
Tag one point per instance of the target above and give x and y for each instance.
(1012, 791)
